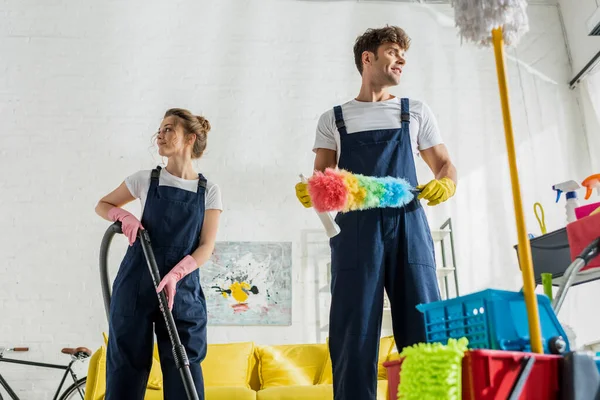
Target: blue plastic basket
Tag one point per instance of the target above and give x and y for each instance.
(490, 319)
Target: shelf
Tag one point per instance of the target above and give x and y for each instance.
(444, 271)
(439, 235)
(583, 276)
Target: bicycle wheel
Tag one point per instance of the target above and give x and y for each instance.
(75, 391)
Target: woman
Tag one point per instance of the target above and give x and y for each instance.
(180, 210)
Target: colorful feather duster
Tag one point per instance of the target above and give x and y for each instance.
(342, 191)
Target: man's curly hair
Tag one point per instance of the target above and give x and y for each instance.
(373, 38)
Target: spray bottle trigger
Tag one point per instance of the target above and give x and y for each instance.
(558, 193)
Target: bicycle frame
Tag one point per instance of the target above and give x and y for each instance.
(67, 369)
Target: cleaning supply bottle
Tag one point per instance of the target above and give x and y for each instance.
(331, 228)
(570, 188)
(591, 182)
(571, 205)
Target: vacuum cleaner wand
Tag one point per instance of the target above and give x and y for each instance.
(181, 360)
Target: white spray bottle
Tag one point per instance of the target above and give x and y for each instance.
(570, 187)
(331, 228)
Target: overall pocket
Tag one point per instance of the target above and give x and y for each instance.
(344, 246)
(419, 243)
(126, 286)
(188, 301)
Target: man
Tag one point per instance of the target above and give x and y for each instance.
(377, 134)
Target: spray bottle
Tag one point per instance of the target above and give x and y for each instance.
(331, 228)
(591, 182)
(570, 187)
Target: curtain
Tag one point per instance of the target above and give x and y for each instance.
(591, 107)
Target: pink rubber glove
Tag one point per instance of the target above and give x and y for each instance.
(169, 282)
(129, 223)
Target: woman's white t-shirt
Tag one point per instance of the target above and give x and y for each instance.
(139, 183)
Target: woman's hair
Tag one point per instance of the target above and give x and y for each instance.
(192, 125)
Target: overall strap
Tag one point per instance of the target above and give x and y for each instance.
(201, 182)
(201, 192)
(339, 120)
(404, 113)
(155, 176)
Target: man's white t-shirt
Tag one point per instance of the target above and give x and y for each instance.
(362, 116)
(139, 183)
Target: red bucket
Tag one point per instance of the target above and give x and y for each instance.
(393, 376)
(491, 375)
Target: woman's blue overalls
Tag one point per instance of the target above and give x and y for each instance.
(389, 248)
(173, 218)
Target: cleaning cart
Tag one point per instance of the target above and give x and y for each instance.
(179, 353)
(499, 363)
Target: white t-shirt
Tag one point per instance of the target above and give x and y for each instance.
(139, 183)
(362, 116)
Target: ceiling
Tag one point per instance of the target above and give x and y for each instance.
(530, 2)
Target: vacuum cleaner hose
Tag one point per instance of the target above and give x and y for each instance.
(112, 230)
(588, 254)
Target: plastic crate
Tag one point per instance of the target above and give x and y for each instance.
(490, 319)
(491, 375)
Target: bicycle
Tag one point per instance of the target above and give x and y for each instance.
(78, 386)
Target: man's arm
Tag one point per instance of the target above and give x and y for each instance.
(324, 159)
(444, 185)
(438, 160)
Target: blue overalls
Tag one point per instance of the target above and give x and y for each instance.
(173, 218)
(377, 248)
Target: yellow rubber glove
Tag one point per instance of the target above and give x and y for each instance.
(302, 194)
(437, 191)
(596, 211)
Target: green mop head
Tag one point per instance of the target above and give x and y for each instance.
(432, 371)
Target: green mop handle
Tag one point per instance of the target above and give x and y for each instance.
(547, 283)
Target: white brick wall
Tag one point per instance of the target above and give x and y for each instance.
(83, 87)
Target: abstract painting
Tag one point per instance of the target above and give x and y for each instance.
(248, 283)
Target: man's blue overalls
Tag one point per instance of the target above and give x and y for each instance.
(377, 248)
(173, 218)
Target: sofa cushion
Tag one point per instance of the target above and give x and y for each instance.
(284, 365)
(229, 393)
(95, 384)
(95, 388)
(385, 347)
(316, 392)
(155, 379)
(228, 365)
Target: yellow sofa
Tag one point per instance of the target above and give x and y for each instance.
(246, 371)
